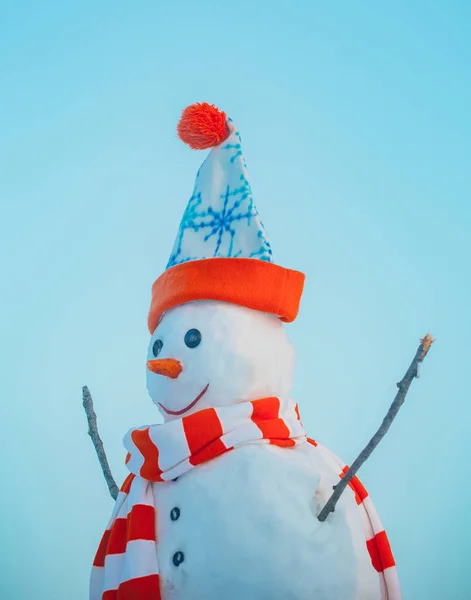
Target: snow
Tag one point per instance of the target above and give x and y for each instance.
(248, 530)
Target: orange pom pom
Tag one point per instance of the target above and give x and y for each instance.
(202, 126)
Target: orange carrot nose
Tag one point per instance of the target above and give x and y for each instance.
(165, 366)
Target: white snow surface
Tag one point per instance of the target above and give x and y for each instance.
(248, 531)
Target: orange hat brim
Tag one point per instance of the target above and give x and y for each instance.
(248, 282)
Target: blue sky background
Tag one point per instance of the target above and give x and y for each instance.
(356, 127)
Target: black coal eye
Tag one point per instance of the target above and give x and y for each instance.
(157, 347)
(192, 338)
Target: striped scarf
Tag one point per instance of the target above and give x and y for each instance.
(126, 566)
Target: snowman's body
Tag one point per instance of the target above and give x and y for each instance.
(244, 526)
(247, 529)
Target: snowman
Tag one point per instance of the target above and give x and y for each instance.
(222, 498)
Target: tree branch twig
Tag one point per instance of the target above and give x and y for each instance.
(411, 373)
(96, 439)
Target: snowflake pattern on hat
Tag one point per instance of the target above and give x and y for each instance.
(221, 219)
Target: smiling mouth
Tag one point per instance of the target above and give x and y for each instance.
(184, 410)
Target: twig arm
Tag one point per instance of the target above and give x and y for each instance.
(97, 442)
(411, 373)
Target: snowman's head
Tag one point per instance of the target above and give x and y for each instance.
(208, 354)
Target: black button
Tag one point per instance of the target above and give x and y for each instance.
(178, 558)
(175, 513)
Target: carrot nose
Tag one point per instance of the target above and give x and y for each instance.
(165, 366)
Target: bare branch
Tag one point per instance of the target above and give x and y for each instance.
(403, 385)
(96, 439)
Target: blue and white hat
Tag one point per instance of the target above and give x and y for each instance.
(221, 251)
(221, 219)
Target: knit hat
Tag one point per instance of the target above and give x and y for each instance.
(221, 251)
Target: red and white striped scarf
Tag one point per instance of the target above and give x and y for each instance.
(377, 541)
(126, 566)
